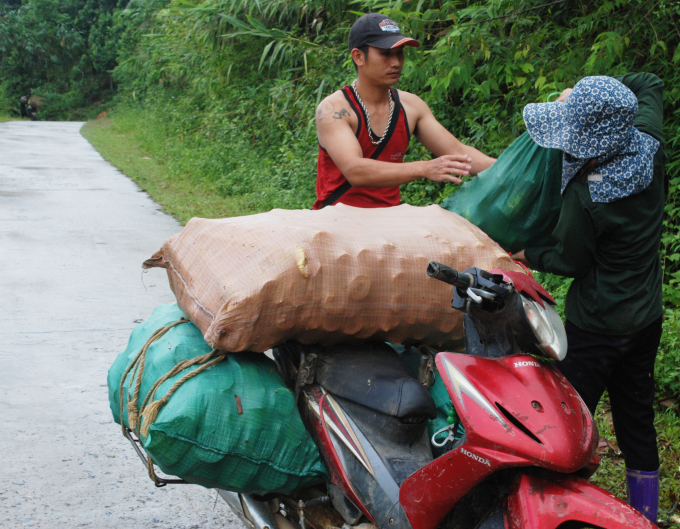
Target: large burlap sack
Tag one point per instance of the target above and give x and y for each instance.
(340, 274)
(233, 426)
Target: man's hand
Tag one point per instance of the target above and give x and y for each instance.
(443, 168)
(564, 95)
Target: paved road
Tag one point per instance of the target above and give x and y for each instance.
(73, 234)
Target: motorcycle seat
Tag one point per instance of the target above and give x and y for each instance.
(375, 376)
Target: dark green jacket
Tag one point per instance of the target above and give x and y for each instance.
(612, 249)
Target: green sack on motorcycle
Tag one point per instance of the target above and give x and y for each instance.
(441, 397)
(233, 426)
(517, 200)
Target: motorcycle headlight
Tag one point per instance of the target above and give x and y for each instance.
(548, 328)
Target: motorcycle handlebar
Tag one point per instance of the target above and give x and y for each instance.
(448, 275)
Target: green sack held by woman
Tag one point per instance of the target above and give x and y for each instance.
(517, 200)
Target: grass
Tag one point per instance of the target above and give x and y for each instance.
(180, 196)
(6, 117)
(197, 158)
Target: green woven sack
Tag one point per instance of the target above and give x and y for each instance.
(441, 398)
(233, 426)
(517, 200)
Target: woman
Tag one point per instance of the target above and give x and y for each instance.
(607, 239)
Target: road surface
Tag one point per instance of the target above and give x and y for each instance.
(73, 234)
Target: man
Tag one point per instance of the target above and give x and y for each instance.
(607, 238)
(364, 129)
(23, 103)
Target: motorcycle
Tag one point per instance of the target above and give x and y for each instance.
(519, 446)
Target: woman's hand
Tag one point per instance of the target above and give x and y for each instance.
(563, 97)
(519, 256)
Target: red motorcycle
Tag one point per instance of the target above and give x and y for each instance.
(519, 448)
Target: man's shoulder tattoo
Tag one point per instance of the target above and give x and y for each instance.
(328, 110)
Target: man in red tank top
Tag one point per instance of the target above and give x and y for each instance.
(364, 129)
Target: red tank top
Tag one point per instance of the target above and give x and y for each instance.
(333, 188)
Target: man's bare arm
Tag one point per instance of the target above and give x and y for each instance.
(440, 141)
(336, 135)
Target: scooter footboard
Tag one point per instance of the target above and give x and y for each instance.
(547, 501)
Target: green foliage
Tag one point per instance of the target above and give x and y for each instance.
(479, 64)
(557, 287)
(61, 51)
(670, 238)
(5, 118)
(667, 371)
(223, 144)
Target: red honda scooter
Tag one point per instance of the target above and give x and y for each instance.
(517, 454)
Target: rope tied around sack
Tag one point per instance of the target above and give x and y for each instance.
(149, 412)
(137, 367)
(151, 408)
(152, 471)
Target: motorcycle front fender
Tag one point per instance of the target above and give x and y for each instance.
(547, 501)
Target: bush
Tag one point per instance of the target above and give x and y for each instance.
(60, 50)
(667, 372)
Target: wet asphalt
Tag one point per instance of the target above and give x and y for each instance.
(73, 234)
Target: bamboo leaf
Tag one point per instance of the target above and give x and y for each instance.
(236, 22)
(265, 52)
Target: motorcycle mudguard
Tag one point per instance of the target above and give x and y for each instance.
(548, 501)
(527, 285)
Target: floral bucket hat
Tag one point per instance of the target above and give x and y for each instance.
(596, 121)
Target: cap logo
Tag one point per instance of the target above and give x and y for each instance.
(389, 25)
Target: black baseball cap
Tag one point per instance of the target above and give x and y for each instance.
(379, 31)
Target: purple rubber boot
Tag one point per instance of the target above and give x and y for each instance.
(643, 492)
